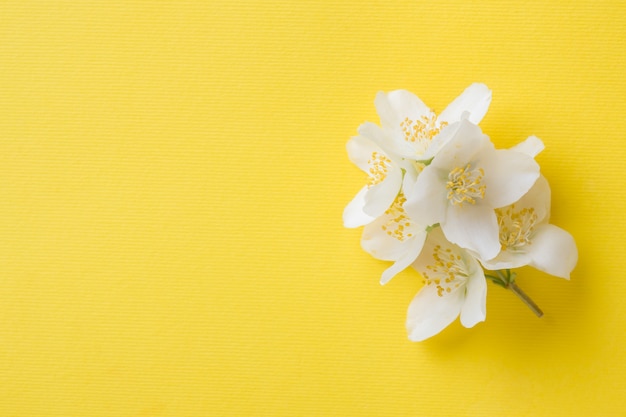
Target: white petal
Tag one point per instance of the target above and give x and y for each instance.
(397, 105)
(384, 140)
(537, 198)
(360, 151)
(409, 179)
(473, 227)
(553, 250)
(474, 308)
(475, 100)
(507, 259)
(467, 142)
(531, 146)
(353, 214)
(380, 196)
(427, 200)
(390, 140)
(439, 141)
(429, 313)
(508, 176)
(414, 247)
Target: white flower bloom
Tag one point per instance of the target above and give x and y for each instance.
(415, 132)
(465, 182)
(442, 199)
(455, 284)
(527, 238)
(394, 237)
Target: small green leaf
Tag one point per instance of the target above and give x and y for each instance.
(426, 162)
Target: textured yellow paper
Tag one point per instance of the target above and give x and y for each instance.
(172, 177)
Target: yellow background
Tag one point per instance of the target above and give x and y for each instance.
(172, 178)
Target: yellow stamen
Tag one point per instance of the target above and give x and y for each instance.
(397, 226)
(379, 167)
(447, 272)
(465, 185)
(516, 227)
(421, 132)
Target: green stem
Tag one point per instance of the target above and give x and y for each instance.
(525, 298)
(506, 279)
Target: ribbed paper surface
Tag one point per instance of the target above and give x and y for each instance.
(172, 178)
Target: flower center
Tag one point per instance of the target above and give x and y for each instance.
(422, 131)
(447, 273)
(465, 185)
(516, 227)
(399, 223)
(379, 166)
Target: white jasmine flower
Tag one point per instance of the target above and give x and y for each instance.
(394, 237)
(384, 180)
(442, 199)
(464, 184)
(454, 285)
(527, 238)
(412, 127)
